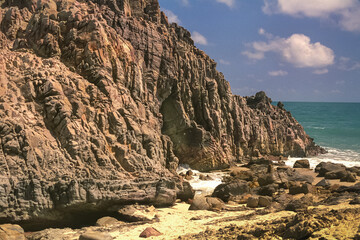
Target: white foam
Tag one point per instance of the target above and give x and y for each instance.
(201, 186)
(349, 158)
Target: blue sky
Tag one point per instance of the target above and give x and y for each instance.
(295, 50)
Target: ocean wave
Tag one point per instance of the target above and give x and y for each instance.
(320, 128)
(201, 186)
(349, 158)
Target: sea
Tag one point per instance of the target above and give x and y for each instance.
(333, 126)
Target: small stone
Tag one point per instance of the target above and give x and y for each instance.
(106, 221)
(252, 202)
(149, 232)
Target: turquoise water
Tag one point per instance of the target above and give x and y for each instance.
(334, 126)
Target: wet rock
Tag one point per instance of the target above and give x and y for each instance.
(150, 232)
(189, 175)
(225, 190)
(207, 203)
(106, 221)
(95, 236)
(324, 167)
(252, 202)
(206, 177)
(11, 232)
(302, 163)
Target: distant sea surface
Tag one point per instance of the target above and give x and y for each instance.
(334, 126)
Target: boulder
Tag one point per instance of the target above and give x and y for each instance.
(185, 191)
(267, 179)
(106, 221)
(242, 174)
(336, 174)
(324, 167)
(252, 202)
(150, 232)
(349, 177)
(298, 188)
(11, 232)
(137, 213)
(268, 190)
(206, 203)
(264, 201)
(225, 190)
(302, 163)
(355, 170)
(299, 205)
(95, 236)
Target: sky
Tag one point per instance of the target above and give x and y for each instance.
(294, 50)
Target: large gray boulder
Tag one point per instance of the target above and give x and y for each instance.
(234, 188)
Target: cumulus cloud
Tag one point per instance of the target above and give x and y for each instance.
(279, 73)
(297, 50)
(345, 12)
(321, 71)
(229, 3)
(224, 62)
(199, 39)
(172, 17)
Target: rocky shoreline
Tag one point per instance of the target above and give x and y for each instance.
(263, 199)
(102, 100)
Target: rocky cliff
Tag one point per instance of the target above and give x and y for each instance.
(100, 100)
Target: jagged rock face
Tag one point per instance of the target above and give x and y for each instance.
(101, 99)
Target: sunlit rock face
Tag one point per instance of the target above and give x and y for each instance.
(100, 101)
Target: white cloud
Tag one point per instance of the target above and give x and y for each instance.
(345, 12)
(297, 50)
(229, 3)
(185, 2)
(199, 39)
(224, 62)
(321, 71)
(279, 73)
(348, 65)
(254, 55)
(172, 17)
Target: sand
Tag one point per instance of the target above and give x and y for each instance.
(176, 221)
